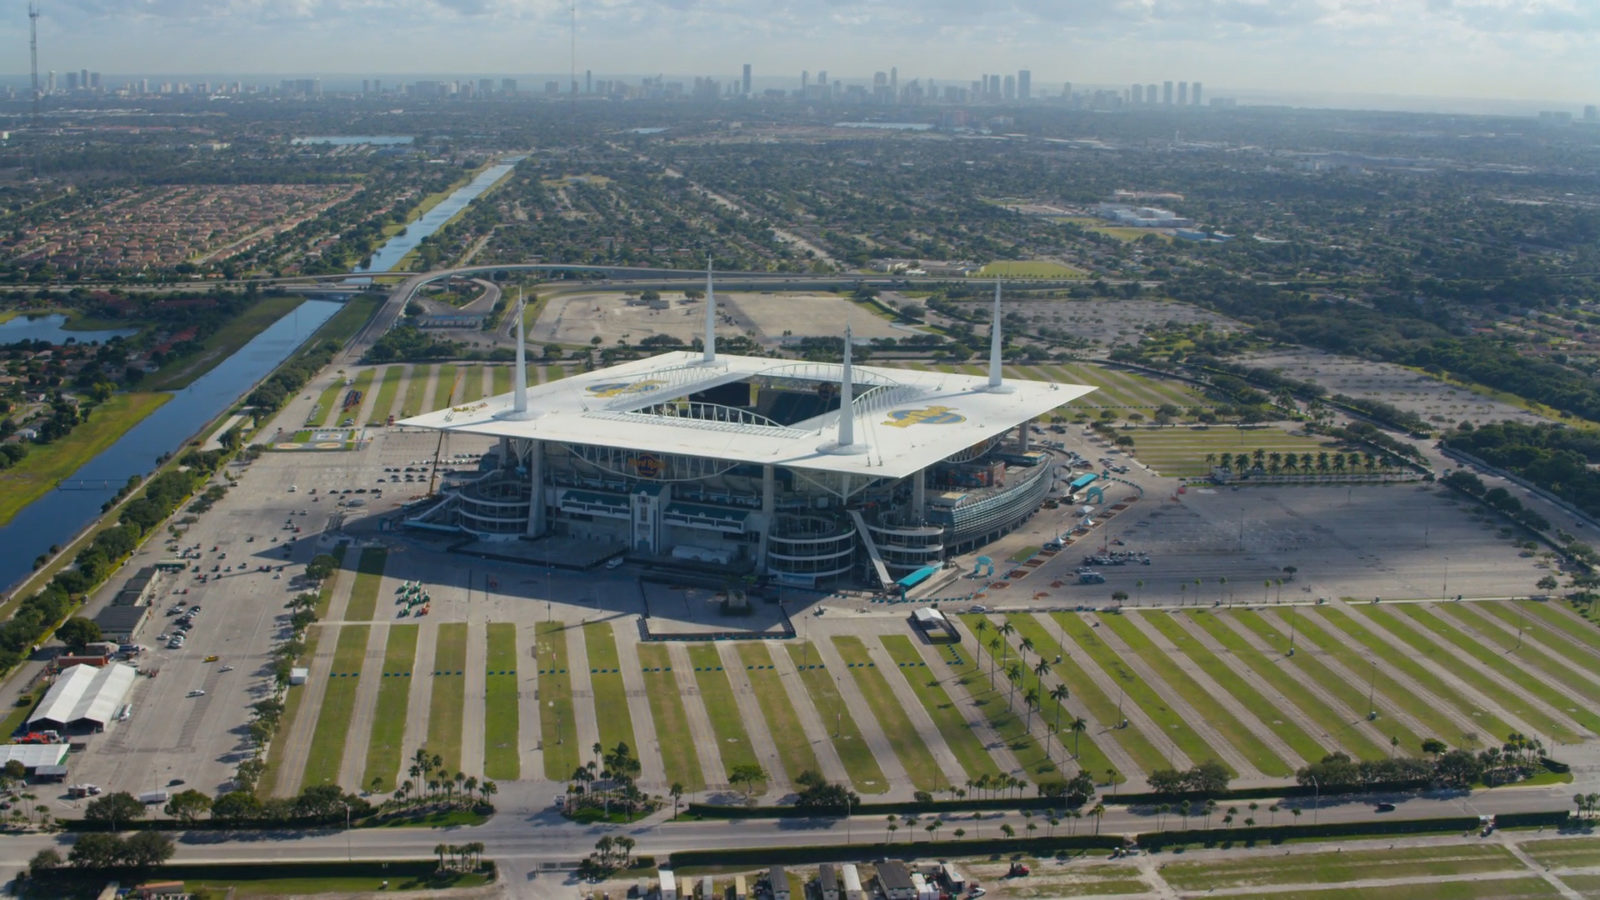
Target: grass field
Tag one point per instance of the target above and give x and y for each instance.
(733, 742)
(952, 724)
(1505, 670)
(1102, 709)
(318, 885)
(1559, 853)
(338, 702)
(1028, 268)
(1181, 452)
(501, 757)
(385, 748)
(1012, 723)
(449, 698)
(555, 702)
(794, 749)
(388, 387)
(445, 390)
(1579, 632)
(369, 576)
(1425, 677)
(1138, 692)
(921, 769)
(292, 707)
(222, 343)
(471, 384)
(501, 380)
(1198, 699)
(1268, 670)
(865, 775)
(610, 694)
(1525, 887)
(1332, 868)
(1118, 389)
(416, 397)
(1565, 660)
(678, 756)
(38, 472)
(327, 404)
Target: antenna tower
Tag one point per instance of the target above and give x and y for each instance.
(33, 50)
(572, 51)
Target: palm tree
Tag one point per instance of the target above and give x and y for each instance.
(1059, 694)
(1098, 812)
(677, 794)
(1006, 631)
(983, 626)
(440, 850)
(1258, 457)
(1078, 727)
(1015, 674)
(994, 656)
(1031, 700)
(1024, 647)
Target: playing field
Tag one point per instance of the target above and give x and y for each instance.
(1028, 268)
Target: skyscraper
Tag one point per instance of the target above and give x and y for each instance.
(1150, 94)
(1010, 89)
(1136, 94)
(747, 79)
(1024, 84)
(1183, 93)
(1196, 96)
(1166, 93)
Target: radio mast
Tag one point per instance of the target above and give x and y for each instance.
(33, 49)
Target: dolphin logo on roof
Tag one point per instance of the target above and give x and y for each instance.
(927, 415)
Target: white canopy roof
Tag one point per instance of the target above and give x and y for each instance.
(84, 694)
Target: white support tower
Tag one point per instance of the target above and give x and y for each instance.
(845, 443)
(709, 356)
(519, 411)
(996, 382)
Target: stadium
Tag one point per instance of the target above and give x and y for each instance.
(804, 473)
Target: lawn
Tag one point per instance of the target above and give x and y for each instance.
(444, 389)
(1209, 710)
(1182, 452)
(471, 384)
(1574, 627)
(388, 387)
(1573, 662)
(385, 748)
(914, 757)
(222, 343)
(794, 748)
(1309, 660)
(952, 724)
(501, 380)
(555, 702)
(605, 681)
(1332, 868)
(1012, 724)
(1141, 694)
(1563, 852)
(865, 775)
(717, 694)
(678, 756)
(1119, 389)
(369, 576)
(1423, 675)
(449, 698)
(502, 759)
(46, 465)
(417, 391)
(338, 703)
(1028, 268)
(1504, 670)
(268, 784)
(1101, 707)
(328, 403)
(1269, 671)
(364, 385)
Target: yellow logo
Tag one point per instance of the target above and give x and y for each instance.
(617, 388)
(927, 415)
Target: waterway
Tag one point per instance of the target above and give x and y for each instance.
(50, 328)
(59, 515)
(390, 254)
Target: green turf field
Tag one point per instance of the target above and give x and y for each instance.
(501, 378)
(794, 749)
(1032, 268)
(446, 390)
(1330, 868)
(502, 758)
(557, 727)
(605, 681)
(1183, 452)
(865, 775)
(919, 764)
(338, 702)
(678, 755)
(388, 388)
(951, 721)
(385, 747)
(448, 699)
(369, 577)
(416, 397)
(733, 742)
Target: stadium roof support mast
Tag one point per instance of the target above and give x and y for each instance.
(710, 354)
(997, 384)
(846, 441)
(519, 411)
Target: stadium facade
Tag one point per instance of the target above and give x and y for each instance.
(812, 474)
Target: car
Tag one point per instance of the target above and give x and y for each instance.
(978, 608)
(614, 562)
(226, 669)
(175, 782)
(196, 693)
(212, 658)
(1384, 807)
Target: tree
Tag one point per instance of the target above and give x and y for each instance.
(746, 774)
(188, 806)
(1433, 746)
(44, 861)
(147, 848)
(1078, 726)
(236, 806)
(96, 850)
(113, 808)
(321, 566)
(76, 632)
(677, 794)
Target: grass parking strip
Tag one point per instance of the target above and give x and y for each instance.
(865, 775)
(338, 702)
(444, 388)
(1569, 669)
(1290, 733)
(449, 699)
(733, 742)
(1100, 707)
(387, 388)
(417, 391)
(472, 384)
(952, 725)
(291, 714)
(678, 756)
(385, 746)
(1583, 636)
(1504, 669)
(1181, 735)
(1033, 756)
(501, 760)
(610, 695)
(556, 722)
(1332, 868)
(1416, 671)
(1209, 710)
(914, 757)
(1270, 670)
(794, 748)
(1563, 852)
(364, 594)
(501, 380)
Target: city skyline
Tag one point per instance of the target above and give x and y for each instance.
(1461, 49)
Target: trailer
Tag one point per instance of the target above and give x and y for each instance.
(152, 797)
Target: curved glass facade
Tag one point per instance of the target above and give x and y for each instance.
(813, 549)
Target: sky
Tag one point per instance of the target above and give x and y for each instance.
(1532, 50)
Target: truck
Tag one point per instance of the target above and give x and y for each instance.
(1091, 578)
(152, 797)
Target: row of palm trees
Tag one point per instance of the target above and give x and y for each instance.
(1275, 462)
(1053, 820)
(463, 857)
(1000, 658)
(430, 783)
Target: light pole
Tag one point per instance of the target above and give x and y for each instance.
(1444, 589)
(1316, 799)
(549, 616)
(1372, 686)
(347, 854)
(1291, 628)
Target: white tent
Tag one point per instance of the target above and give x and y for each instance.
(84, 696)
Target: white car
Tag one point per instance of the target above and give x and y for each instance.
(197, 693)
(614, 562)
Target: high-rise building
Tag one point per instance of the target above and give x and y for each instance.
(1183, 93)
(508, 86)
(746, 81)
(588, 82)
(72, 82)
(894, 80)
(485, 87)
(1010, 90)
(1024, 84)
(1591, 113)
(1136, 95)
(805, 81)
(1166, 93)
(1150, 94)
(822, 76)
(1196, 94)
(94, 81)
(83, 77)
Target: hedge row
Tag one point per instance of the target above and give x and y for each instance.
(713, 811)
